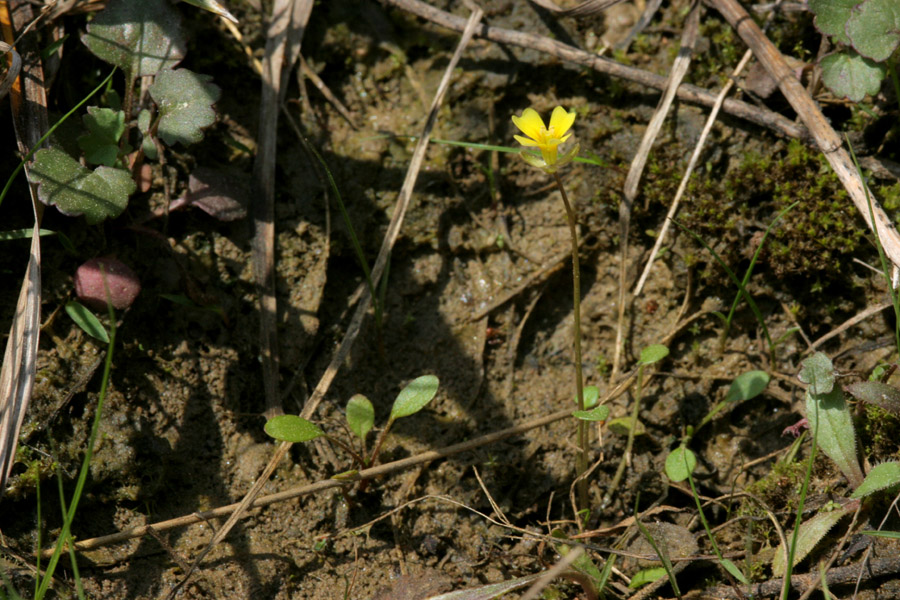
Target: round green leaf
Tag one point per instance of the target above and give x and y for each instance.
(747, 385)
(291, 428)
(591, 396)
(75, 190)
(141, 38)
(360, 415)
(185, 102)
(831, 17)
(680, 463)
(818, 372)
(874, 28)
(653, 353)
(852, 76)
(414, 396)
(600, 413)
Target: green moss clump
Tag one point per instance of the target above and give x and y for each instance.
(879, 433)
(811, 241)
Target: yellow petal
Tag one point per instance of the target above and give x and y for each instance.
(530, 123)
(525, 141)
(561, 121)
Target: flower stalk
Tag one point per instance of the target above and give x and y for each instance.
(548, 139)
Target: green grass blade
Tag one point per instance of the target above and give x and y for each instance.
(734, 280)
(69, 514)
(354, 240)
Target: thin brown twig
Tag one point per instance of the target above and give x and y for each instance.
(828, 141)
(690, 93)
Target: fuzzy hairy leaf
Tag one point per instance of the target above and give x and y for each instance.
(414, 397)
(185, 102)
(811, 533)
(76, 190)
(831, 17)
(141, 38)
(877, 393)
(881, 477)
(818, 372)
(874, 28)
(831, 423)
(852, 76)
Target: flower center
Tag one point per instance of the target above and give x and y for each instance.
(548, 133)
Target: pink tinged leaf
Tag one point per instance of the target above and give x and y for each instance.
(123, 284)
(223, 195)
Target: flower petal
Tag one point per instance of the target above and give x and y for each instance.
(530, 123)
(525, 141)
(561, 120)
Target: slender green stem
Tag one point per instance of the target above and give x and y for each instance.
(579, 379)
(629, 444)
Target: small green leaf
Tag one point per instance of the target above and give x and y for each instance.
(583, 564)
(831, 17)
(831, 423)
(877, 393)
(291, 428)
(28, 232)
(680, 463)
(591, 396)
(881, 477)
(88, 322)
(811, 533)
(622, 425)
(101, 143)
(75, 190)
(414, 397)
(653, 353)
(818, 372)
(747, 385)
(735, 572)
(343, 475)
(645, 576)
(185, 102)
(874, 28)
(141, 38)
(360, 415)
(852, 76)
(599, 413)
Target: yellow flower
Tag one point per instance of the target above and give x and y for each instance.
(546, 139)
